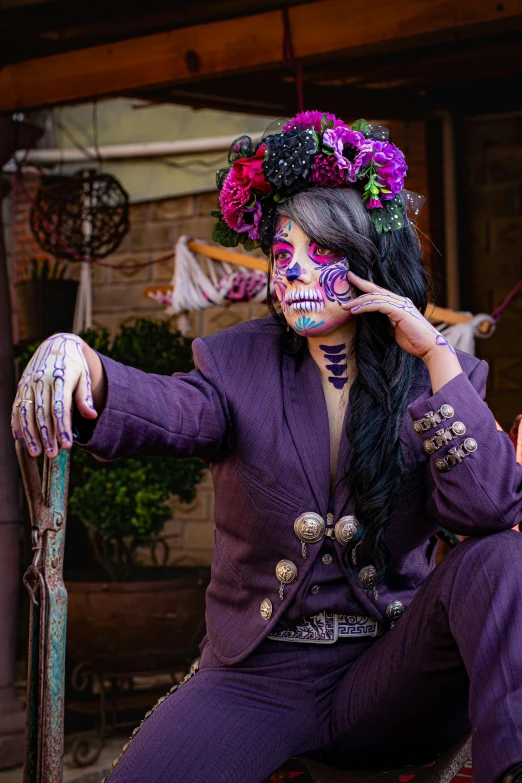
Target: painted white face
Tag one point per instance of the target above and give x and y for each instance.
(309, 281)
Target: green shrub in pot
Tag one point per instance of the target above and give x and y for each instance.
(124, 505)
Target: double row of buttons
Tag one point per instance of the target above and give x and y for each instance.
(311, 528)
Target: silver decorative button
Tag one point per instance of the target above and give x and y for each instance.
(327, 559)
(315, 589)
(429, 447)
(458, 428)
(447, 411)
(470, 444)
(368, 579)
(266, 609)
(309, 528)
(368, 576)
(346, 528)
(442, 466)
(394, 611)
(286, 573)
(417, 426)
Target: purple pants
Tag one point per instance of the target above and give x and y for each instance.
(454, 658)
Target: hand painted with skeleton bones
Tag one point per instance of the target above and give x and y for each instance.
(412, 331)
(56, 374)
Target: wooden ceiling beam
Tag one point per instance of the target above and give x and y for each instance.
(188, 54)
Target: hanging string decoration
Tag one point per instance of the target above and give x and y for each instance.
(197, 286)
(79, 216)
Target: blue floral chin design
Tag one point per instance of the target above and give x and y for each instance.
(305, 324)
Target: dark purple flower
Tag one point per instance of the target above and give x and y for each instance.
(326, 172)
(249, 219)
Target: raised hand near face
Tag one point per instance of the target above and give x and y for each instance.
(412, 331)
(59, 372)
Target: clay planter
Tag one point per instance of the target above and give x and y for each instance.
(46, 306)
(120, 628)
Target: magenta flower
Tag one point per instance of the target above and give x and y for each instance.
(326, 172)
(313, 120)
(391, 167)
(372, 203)
(350, 148)
(234, 197)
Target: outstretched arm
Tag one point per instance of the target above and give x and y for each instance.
(136, 413)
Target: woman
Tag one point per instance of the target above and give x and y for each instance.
(328, 629)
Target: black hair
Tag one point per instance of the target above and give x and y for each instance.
(337, 219)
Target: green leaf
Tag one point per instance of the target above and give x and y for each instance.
(225, 235)
(363, 126)
(249, 244)
(216, 214)
(279, 198)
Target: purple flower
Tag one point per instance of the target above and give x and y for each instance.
(372, 203)
(350, 148)
(313, 120)
(249, 219)
(326, 172)
(391, 167)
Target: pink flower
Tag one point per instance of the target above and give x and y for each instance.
(391, 167)
(350, 148)
(372, 203)
(233, 198)
(245, 176)
(313, 120)
(326, 172)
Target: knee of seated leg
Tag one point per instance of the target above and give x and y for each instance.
(495, 546)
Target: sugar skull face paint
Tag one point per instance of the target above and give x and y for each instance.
(310, 281)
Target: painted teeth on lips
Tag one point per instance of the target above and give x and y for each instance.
(304, 295)
(307, 306)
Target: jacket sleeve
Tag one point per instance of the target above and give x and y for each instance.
(472, 479)
(183, 415)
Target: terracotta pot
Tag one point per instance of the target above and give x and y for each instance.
(46, 306)
(128, 627)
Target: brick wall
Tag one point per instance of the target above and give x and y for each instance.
(118, 299)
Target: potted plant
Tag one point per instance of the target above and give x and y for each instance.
(46, 298)
(123, 616)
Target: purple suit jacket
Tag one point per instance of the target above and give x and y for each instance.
(259, 417)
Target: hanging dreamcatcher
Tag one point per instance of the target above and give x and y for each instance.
(83, 217)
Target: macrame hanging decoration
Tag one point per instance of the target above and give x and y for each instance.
(462, 336)
(197, 285)
(84, 218)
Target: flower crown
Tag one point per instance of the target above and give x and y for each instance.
(312, 149)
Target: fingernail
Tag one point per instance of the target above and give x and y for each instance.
(49, 450)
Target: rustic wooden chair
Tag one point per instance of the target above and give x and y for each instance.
(442, 769)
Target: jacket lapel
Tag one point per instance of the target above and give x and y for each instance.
(307, 419)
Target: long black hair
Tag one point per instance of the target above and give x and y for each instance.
(337, 219)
